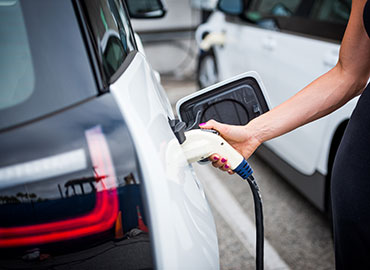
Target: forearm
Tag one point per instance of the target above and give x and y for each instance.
(327, 93)
(321, 97)
(324, 95)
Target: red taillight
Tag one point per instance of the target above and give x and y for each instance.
(100, 219)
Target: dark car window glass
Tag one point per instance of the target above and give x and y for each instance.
(44, 66)
(278, 7)
(112, 33)
(336, 11)
(143, 6)
(262, 12)
(231, 7)
(316, 18)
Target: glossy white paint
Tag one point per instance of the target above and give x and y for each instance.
(182, 226)
(139, 44)
(270, 53)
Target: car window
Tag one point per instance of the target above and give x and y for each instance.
(143, 6)
(273, 7)
(277, 7)
(316, 18)
(336, 11)
(44, 66)
(323, 10)
(111, 32)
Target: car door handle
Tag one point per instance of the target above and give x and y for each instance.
(269, 43)
(330, 59)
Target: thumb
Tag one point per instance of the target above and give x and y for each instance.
(212, 124)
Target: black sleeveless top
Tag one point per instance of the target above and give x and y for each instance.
(367, 18)
(350, 185)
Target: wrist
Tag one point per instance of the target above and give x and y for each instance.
(255, 133)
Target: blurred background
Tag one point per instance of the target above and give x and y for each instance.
(169, 42)
(289, 43)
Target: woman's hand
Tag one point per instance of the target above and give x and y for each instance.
(237, 136)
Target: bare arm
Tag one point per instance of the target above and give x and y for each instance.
(327, 93)
(321, 97)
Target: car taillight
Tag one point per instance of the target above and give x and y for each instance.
(100, 219)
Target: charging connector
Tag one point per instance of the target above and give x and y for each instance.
(201, 144)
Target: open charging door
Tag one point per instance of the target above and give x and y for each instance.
(234, 101)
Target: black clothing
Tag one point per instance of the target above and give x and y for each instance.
(351, 191)
(367, 17)
(350, 186)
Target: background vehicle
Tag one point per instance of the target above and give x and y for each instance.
(85, 180)
(289, 43)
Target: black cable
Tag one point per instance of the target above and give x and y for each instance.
(259, 221)
(245, 172)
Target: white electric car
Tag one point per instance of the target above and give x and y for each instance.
(92, 175)
(289, 43)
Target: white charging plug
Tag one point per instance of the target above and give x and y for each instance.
(200, 144)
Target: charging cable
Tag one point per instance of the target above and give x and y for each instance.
(201, 144)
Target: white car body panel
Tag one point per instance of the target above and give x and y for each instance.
(182, 226)
(139, 44)
(311, 142)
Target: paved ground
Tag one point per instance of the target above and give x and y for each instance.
(299, 235)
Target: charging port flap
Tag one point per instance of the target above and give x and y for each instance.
(234, 101)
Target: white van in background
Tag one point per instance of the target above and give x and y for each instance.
(175, 34)
(289, 43)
